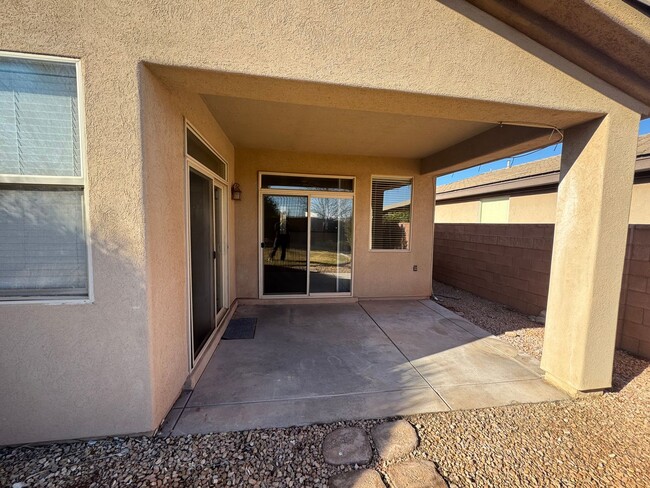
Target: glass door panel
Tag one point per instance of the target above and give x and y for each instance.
(330, 263)
(219, 281)
(201, 248)
(284, 244)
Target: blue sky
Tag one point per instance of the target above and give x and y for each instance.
(546, 152)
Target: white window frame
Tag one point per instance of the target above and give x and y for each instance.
(410, 234)
(80, 182)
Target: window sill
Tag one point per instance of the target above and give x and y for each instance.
(46, 301)
(390, 250)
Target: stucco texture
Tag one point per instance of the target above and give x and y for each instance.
(111, 366)
(536, 208)
(163, 121)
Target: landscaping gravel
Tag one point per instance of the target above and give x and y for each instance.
(595, 441)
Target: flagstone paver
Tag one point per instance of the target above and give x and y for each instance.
(415, 474)
(348, 445)
(362, 478)
(394, 440)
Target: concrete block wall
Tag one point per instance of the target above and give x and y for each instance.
(634, 310)
(506, 263)
(511, 263)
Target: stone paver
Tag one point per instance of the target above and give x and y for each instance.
(362, 478)
(394, 439)
(415, 474)
(349, 445)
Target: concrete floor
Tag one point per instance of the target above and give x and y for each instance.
(327, 362)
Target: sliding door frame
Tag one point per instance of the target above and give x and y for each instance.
(221, 247)
(309, 194)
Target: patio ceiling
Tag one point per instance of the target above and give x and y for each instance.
(307, 128)
(445, 133)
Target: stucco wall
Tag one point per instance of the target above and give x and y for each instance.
(461, 212)
(91, 369)
(535, 208)
(376, 274)
(163, 114)
(640, 206)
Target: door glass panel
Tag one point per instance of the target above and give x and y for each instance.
(330, 267)
(285, 245)
(218, 244)
(202, 259)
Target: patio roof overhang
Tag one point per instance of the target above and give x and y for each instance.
(445, 133)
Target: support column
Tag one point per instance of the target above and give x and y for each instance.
(593, 206)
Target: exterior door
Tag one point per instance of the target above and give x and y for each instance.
(306, 235)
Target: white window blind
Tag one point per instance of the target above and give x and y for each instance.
(42, 234)
(391, 213)
(39, 130)
(42, 244)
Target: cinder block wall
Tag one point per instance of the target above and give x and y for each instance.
(511, 263)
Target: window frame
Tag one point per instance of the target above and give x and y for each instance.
(410, 232)
(80, 182)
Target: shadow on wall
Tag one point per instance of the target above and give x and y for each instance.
(85, 364)
(510, 264)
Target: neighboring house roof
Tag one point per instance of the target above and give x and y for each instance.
(543, 172)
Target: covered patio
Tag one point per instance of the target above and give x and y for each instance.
(315, 363)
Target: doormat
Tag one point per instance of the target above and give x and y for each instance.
(243, 328)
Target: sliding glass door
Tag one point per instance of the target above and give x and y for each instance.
(306, 245)
(207, 234)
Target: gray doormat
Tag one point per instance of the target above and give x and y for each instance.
(243, 328)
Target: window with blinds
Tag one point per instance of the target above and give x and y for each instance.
(42, 234)
(391, 213)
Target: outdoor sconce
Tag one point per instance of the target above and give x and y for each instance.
(235, 191)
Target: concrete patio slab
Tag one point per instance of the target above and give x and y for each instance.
(305, 411)
(333, 350)
(443, 352)
(497, 394)
(313, 363)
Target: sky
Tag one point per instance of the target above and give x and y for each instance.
(547, 152)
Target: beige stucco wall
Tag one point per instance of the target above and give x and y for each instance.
(536, 208)
(101, 368)
(375, 274)
(533, 209)
(640, 206)
(163, 121)
(458, 213)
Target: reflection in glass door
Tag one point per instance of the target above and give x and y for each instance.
(284, 245)
(201, 251)
(330, 251)
(306, 244)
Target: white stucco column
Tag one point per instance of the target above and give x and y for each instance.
(588, 252)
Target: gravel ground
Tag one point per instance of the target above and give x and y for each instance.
(596, 441)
